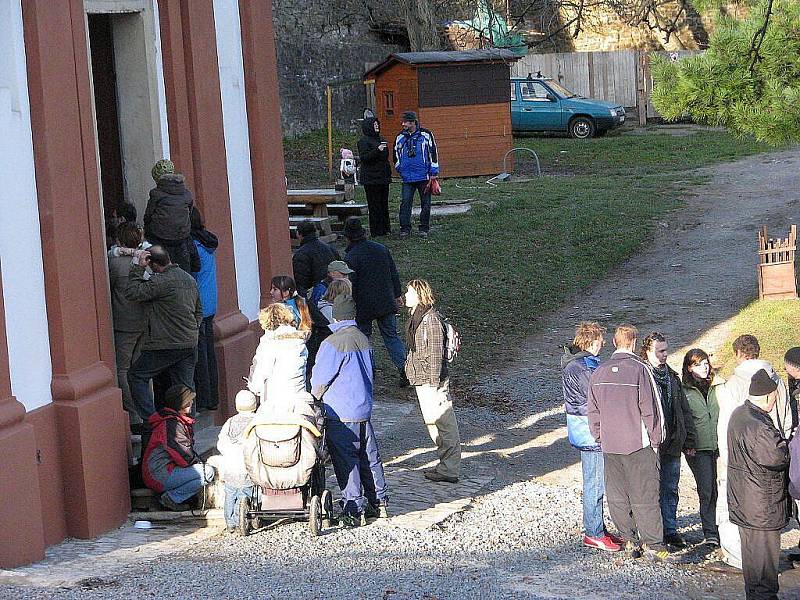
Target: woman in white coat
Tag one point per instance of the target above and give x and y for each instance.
(278, 372)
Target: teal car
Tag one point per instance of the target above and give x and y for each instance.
(541, 104)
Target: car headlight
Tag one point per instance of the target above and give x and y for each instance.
(613, 112)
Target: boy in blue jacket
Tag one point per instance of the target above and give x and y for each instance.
(342, 380)
(577, 364)
(416, 160)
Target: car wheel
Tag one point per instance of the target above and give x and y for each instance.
(581, 128)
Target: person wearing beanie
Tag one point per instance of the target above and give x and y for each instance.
(758, 502)
(167, 217)
(733, 393)
(416, 159)
(376, 175)
(342, 380)
(376, 290)
(230, 444)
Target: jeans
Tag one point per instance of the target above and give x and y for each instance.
(185, 482)
(178, 365)
(594, 488)
(205, 374)
(357, 464)
(126, 350)
(407, 199)
(232, 496)
(668, 492)
(387, 325)
(704, 468)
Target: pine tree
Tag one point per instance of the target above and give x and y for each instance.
(747, 81)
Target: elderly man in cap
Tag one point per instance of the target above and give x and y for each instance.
(417, 162)
(311, 259)
(342, 380)
(758, 463)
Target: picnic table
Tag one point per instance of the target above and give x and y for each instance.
(316, 199)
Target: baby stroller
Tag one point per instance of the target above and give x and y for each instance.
(284, 456)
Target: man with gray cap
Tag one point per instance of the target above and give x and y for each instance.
(342, 380)
(416, 160)
(758, 463)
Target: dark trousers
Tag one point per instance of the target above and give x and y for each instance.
(178, 365)
(206, 378)
(356, 463)
(378, 203)
(704, 468)
(180, 251)
(760, 553)
(407, 199)
(632, 486)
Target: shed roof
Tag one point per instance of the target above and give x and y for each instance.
(444, 57)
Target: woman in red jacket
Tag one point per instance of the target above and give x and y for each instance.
(170, 465)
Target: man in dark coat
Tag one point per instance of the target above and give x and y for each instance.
(376, 175)
(167, 219)
(310, 261)
(376, 290)
(758, 463)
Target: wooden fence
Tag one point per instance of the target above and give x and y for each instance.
(621, 76)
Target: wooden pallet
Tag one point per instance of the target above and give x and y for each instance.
(776, 265)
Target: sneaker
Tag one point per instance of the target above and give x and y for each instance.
(653, 555)
(351, 521)
(633, 550)
(434, 475)
(170, 504)
(675, 539)
(616, 539)
(376, 511)
(423, 234)
(601, 543)
(405, 235)
(404, 382)
(712, 541)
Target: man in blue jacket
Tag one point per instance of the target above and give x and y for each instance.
(577, 364)
(417, 161)
(342, 379)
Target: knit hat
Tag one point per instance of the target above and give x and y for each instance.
(162, 167)
(344, 308)
(339, 266)
(762, 384)
(245, 401)
(409, 115)
(354, 230)
(792, 356)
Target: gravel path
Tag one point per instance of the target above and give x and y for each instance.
(520, 538)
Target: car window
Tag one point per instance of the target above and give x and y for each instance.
(533, 91)
(513, 90)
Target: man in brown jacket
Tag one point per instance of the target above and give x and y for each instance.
(625, 418)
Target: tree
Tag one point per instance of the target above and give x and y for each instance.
(747, 81)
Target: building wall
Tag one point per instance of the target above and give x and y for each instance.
(20, 242)
(400, 80)
(237, 151)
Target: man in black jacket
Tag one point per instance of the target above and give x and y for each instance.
(310, 261)
(758, 463)
(376, 290)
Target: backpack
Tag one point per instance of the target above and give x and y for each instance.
(452, 340)
(317, 292)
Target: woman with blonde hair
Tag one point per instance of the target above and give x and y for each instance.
(279, 365)
(336, 287)
(426, 369)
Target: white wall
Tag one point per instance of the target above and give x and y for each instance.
(237, 148)
(20, 240)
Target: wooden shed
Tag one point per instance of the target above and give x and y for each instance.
(461, 96)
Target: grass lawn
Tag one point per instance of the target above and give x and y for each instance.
(775, 324)
(525, 247)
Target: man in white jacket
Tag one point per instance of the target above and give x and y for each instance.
(733, 394)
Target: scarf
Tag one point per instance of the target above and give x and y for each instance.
(413, 324)
(664, 380)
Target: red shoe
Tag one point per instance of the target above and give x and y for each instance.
(602, 543)
(616, 539)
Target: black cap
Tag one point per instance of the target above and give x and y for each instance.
(410, 115)
(306, 228)
(353, 229)
(762, 384)
(792, 356)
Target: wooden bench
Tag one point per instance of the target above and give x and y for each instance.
(317, 199)
(323, 224)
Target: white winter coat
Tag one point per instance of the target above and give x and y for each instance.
(230, 444)
(279, 365)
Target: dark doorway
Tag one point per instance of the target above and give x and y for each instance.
(104, 77)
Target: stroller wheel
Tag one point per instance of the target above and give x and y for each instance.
(327, 508)
(315, 516)
(245, 525)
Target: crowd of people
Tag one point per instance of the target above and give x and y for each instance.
(632, 417)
